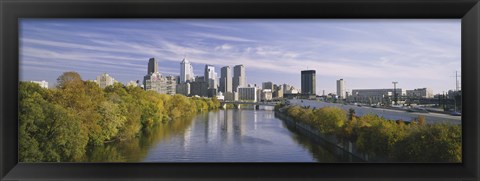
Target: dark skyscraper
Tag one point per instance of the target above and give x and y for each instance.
(308, 82)
(152, 66)
(225, 79)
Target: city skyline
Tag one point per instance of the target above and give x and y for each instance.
(362, 52)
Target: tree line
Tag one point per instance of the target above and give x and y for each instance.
(394, 140)
(57, 125)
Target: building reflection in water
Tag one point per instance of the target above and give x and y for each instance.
(255, 121)
(234, 135)
(226, 127)
(187, 136)
(213, 119)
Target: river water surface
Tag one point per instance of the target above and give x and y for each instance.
(222, 136)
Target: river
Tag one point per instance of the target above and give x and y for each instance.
(231, 135)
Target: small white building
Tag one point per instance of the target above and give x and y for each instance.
(132, 83)
(220, 96)
(43, 83)
(375, 95)
(266, 94)
(105, 80)
(420, 93)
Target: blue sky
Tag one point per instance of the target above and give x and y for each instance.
(365, 53)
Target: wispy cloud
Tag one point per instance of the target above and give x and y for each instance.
(221, 37)
(367, 53)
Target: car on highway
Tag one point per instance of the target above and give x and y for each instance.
(455, 113)
(417, 109)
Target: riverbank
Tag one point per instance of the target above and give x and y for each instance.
(342, 147)
(58, 125)
(377, 139)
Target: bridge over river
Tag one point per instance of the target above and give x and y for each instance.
(255, 104)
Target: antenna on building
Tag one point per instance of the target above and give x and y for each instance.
(457, 85)
(184, 53)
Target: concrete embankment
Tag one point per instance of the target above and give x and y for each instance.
(342, 148)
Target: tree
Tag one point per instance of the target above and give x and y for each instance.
(351, 114)
(111, 121)
(69, 79)
(30, 111)
(181, 105)
(330, 119)
(72, 95)
(56, 125)
(294, 112)
(430, 143)
(47, 131)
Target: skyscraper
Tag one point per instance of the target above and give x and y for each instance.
(308, 81)
(186, 71)
(225, 79)
(239, 77)
(156, 81)
(211, 76)
(152, 66)
(341, 92)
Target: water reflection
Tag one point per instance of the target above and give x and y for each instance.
(135, 150)
(220, 136)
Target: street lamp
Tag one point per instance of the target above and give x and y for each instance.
(395, 91)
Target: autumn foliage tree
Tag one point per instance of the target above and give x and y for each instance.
(386, 139)
(57, 125)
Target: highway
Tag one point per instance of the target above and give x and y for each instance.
(430, 118)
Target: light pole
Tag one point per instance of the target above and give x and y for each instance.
(395, 91)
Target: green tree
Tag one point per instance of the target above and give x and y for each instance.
(111, 121)
(48, 132)
(72, 95)
(69, 79)
(330, 119)
(351, 114)
(430, 143)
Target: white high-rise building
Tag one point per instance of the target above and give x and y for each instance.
(239, 77)
(341, 92)
(186, 71)
(211, 77)
(225, 79)
(105, 80)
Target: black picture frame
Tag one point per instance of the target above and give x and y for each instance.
(466, 10)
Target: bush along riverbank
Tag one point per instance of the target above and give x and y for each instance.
(376, 139)
(57, 125)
